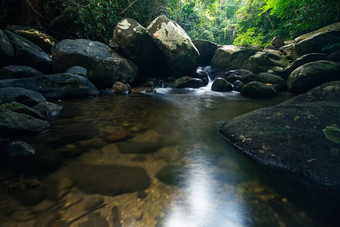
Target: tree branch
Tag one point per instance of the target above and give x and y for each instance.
(131, 4)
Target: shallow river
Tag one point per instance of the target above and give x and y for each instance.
(203, 180)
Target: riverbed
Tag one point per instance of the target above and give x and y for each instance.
(213, 184)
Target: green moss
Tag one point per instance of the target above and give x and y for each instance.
(296, 118)
(332, 133)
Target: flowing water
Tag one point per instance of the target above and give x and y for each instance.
(183, 172)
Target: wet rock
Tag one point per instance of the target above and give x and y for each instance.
(115, 216)
(200, 74)
(314, 42)
(138, 147)
(6, 50)
(221, 85)
(304, 59)
(142, 195)
(20, 149)
(278, 83)
(181, 54)
(171, 175)
(11, 122)
(238, 85)
(277, 42)
(46, 219)
(20, 108)
(57, 86)
(29, 54)
(21, 95)
(232, 57)
(258, 89)
(293, 135)
(206, 49)
(109, 180)
(312, 74)
(117, 136)
(18, 71)
(48, 109)
(58, 223)
(104, 65)
(120, 87)
(29, 197)
(36, 36)
(81, 71)
(93, 203)
(240, 74)
(188, 82)
(136, 43)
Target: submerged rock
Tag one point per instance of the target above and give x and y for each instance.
(109, 180)
(18, 71)
(104, 65)
(301, 135)
(188, 82)
(29, 54)
(181, 54)
(221, 85)
(258, 89)
(171, 175)
(312, 74)
(57, 86)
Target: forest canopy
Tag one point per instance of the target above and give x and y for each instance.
(239, 22)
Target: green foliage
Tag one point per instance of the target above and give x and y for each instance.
(250, 37)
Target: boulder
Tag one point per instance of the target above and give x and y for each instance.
(6, 50)
(21, 95)
(238, 85)
(36, 36)
(188, 82)
(206, 49)
(18, 71)
(287, 51)
(301, 61)
(181, 54)
(29, 54)
(300, 135)
(136, 44)
(262, 61)
(57, 86)
(334, 56)
(278, 83)
(258, 89)
(231, 57)
(110, 180)
(14, 123)
(81, 71)
(240, 74)
(277, 42)
(200, 74)
(21, 108)
(221, 85)
(104, 66)
(311, 75)
(120, 88)
(314, 42)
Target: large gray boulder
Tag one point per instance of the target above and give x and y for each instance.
(206, 49)
(14, 123)
(29, 54)
(314, 42)
(221, 85)
(104, 65)
(6, 50)
(57, 86)
(249, 58)
(312, 74)
(21, 95)
(301, 135)
(136, 43)
(181, 55)
(18, 71)
(188, 82)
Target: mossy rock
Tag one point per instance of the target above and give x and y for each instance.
(258, 89)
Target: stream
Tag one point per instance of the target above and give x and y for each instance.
(204, 182)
